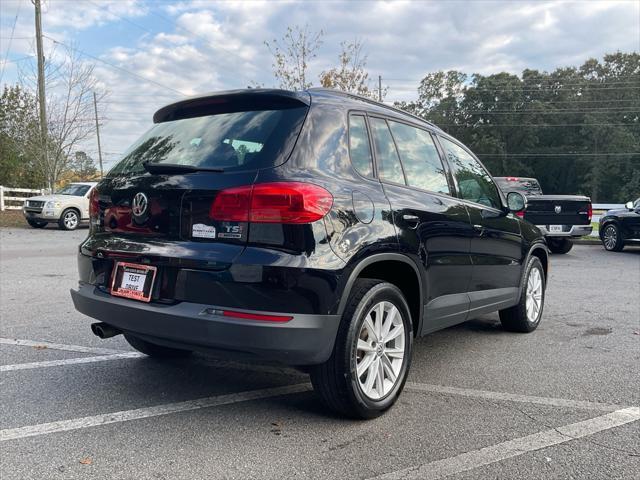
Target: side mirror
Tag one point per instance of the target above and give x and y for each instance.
(629, 205)
(516, 202)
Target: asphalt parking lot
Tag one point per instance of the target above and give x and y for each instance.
(480, 403)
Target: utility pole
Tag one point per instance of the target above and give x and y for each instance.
(380, 88)
(41, 97)
(95, 108)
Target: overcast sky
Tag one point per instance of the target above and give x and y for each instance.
(188, 47)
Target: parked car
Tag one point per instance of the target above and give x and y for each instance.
(68, 207)
(559, 217)
(620, 227)
(317, 229)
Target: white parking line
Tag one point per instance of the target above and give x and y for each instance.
(139, 413)
(512, 397)
(513, 448)
(69, 361)
(58, 346)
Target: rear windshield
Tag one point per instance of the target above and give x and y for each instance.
(233, 141)
(527, 186)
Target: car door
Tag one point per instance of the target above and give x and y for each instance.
(433, 226)
(630, 221)
(496, 247)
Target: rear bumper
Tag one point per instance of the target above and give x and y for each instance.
(574, 231)
(305, 340)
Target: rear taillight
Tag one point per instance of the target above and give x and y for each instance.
(512, 179)
(94, 205)
(277, 202)
(520, 214)
(590, 212)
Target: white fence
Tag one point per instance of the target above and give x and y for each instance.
(13, 201)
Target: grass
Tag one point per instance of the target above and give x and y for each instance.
(12, 218)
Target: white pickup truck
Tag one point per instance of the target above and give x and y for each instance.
(68, 207)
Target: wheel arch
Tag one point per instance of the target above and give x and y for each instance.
(539, 250)
(394, 268)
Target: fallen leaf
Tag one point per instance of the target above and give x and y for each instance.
(40, 347)
(86, 461)
(636, 333)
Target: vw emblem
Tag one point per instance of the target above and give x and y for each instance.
(139, 205)
(558, 209)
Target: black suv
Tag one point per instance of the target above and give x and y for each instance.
(316, 229)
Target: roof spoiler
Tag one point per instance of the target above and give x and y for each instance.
(231, 101)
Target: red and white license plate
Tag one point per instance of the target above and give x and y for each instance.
(131, 280)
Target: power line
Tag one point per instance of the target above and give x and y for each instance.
(539, 125)
(558, 154)
(13, 29)
(115, 66)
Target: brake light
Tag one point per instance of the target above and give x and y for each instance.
(94, 204)
(520, 214)
(590, 211)
(276, 202)
(512, 179)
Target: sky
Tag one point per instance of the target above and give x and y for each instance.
(149, 52)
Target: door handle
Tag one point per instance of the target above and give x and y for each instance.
(479, 229)
(412, 220)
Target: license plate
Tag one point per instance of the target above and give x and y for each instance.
(134, 281)
(555, 228)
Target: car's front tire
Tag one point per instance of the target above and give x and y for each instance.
(36, 223)
(525, 316)
(372, 353)
(612, 239)
(559, 245)
(69, 220)
(153, 350)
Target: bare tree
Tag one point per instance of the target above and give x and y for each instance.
(292, 54)
(351, 74)
(70, 86)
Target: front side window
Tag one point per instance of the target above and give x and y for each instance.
(74, 189)
(389, 167)
(420, 159)
(359, 147)
(474, 183)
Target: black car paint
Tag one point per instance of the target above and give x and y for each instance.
(458, 260)
(627, 220)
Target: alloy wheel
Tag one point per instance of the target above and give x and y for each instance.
(71, 220)
(610, 237)
(534, 295)
(380, 350)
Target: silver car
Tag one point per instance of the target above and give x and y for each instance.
(68, 207)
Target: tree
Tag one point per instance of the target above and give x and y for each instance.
(70, 86)
(350, 75)
(292, 54)
(84, 167)
(19, 136)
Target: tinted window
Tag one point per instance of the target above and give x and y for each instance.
(245, 140)
(526, 186)
(389, 167)
(359, 147)
(474, 182)
(420, 159)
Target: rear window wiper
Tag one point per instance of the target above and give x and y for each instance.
(155, 167)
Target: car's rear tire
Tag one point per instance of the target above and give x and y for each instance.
(69, 220)
(525, 316)
(36, 223)
(612, 239)
(559, 245)
(364, 376)
(154, 350)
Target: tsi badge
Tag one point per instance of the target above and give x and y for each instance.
(231, 231)
(558, 209)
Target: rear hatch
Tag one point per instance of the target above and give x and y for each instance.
(156, 204)
(558, 210)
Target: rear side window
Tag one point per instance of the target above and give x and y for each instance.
(231, 141)
(359, 147)
(389, 167)
(420, 158)
(474, 183)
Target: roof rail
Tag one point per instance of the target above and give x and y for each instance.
(373, 102)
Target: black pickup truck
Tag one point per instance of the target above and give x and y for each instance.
(559, 217)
